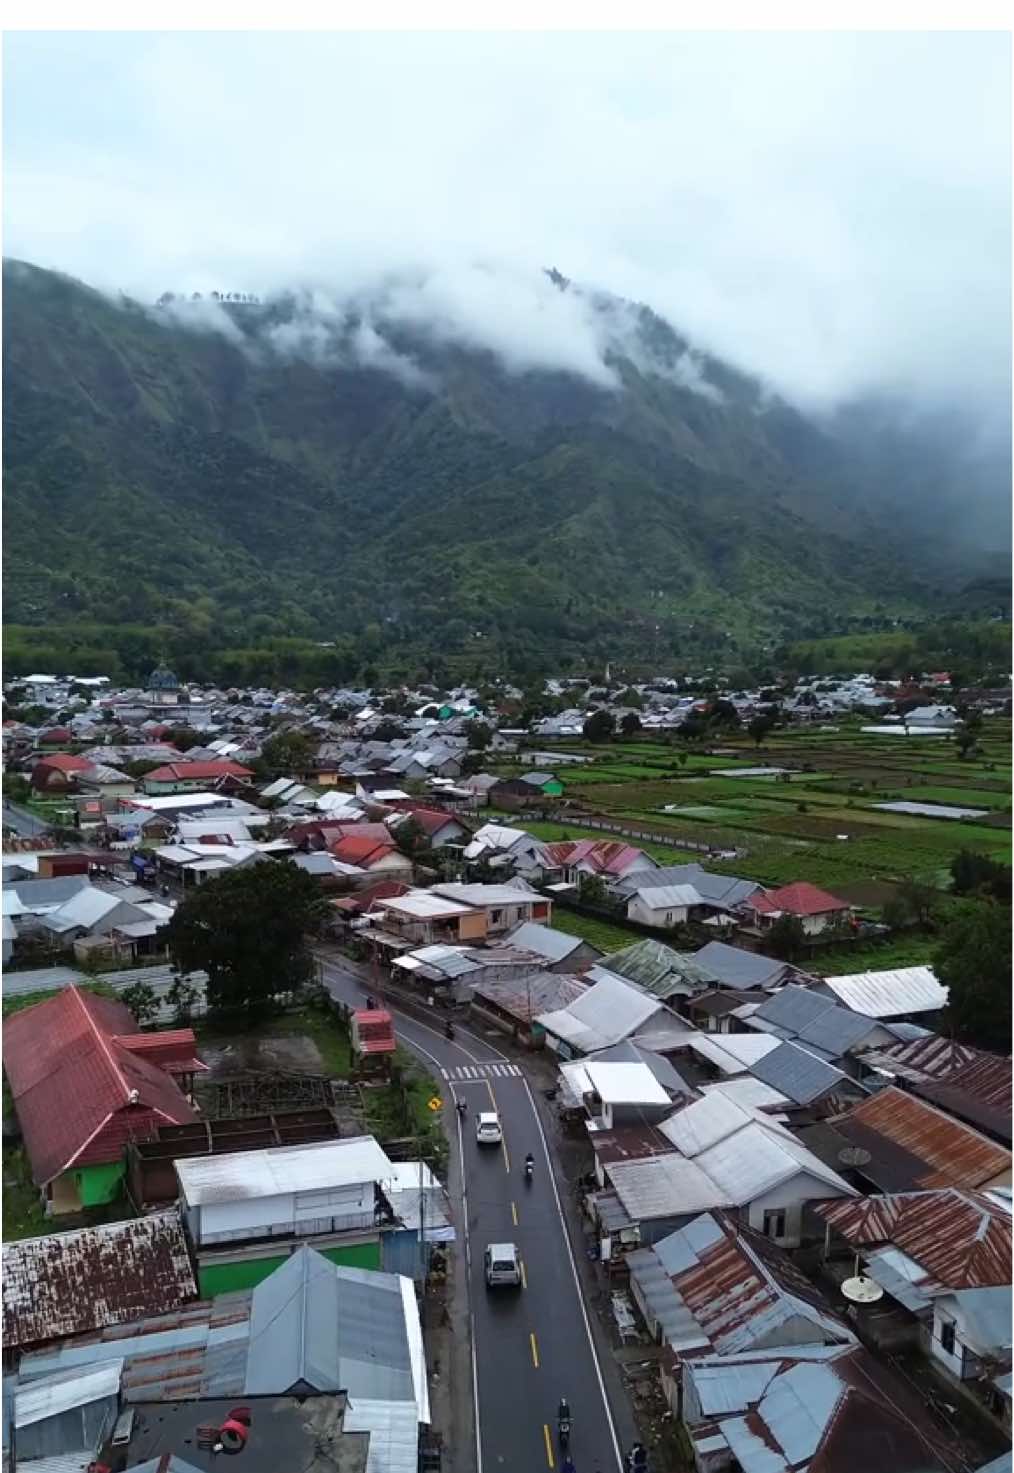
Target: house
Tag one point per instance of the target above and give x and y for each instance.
(724, 1155)
(681, 893)
(480, 784)
(815, 909)
(895, 1142)
(559, 951)
(329, 1331)
(504, 906)
(82, 1087)
(246, 1212)
(55, 772)
(439, 827)
(616, 1092)
(454, 972)
(91, 1278)
(966, 1082)
(512, 850)
(102, 781)
(943, 1261)
(351, 907)
(191, 777)
(658, 970)
(62, 1420)
(548, 785)
(891, 995)
(514, 794)
(819, 1025)
(609, 1011)
(378, 859)
(732, 966)
(514, 1002)
(609, 859)
(421, 918)
(717, 1288)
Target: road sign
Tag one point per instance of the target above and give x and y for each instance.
(436, 1103)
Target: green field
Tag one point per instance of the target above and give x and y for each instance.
(821, 823)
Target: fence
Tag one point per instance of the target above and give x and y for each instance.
(640, 831)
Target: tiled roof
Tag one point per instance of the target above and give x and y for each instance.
(800, 899)
(69, 1283)
(63, 762)
(361, 850)
(174, 772)
(79, 1095)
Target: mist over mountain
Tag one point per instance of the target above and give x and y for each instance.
(311, 466)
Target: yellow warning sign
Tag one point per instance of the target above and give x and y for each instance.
(436, 1103)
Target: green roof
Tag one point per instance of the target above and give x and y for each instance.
(656, 967)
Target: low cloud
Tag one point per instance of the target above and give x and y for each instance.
(827, 211)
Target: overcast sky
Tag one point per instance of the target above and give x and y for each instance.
(829, 211)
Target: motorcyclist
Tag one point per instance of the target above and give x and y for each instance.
(529, 1169)
(448, 1029)
(563, 1419)
(461, 1108)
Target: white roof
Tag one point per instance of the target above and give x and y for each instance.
(494, 836)
(736, 1052)
(625, 1084)
(282, 1169)
(660, 1186)
(703, 1124)
(189, 800)
(394, 1433)
(425, 904)
(745, 1090)
(87, 907)
(759, 1158)
(890, 993)
(608, 1012)
(482, 895)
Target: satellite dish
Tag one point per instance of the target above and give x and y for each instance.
(862, 1290)
(854, 1156)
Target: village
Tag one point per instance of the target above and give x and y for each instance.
(625, 1060)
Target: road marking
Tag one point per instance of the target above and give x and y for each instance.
(577, 1283)
(514, 1213)
(524, 1275)
(482, 1071)
(549, 1444)
(535, 1350)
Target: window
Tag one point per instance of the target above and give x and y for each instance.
(947, 1336)
(774, 1223)
(495, 917)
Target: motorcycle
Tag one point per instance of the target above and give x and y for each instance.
(449, 1031)
(563, 1425)
(529, 1167)
(462, 1109)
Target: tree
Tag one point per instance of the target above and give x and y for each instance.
(141, 1000)
(248, 930)
(600, 727)
(287, 752)
(479, 735)
(759, 728)
(181, 997)
(973, 961)
(630, 723)
(388, 731)
(723, 713)
(913, 904)
(786, 938)
(964, 740)
(978, 874)
(411, 839)
(592, 889)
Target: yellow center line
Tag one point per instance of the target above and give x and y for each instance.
(524, 1276)
(514, 1213)
(535, 1350)
(549, 1444)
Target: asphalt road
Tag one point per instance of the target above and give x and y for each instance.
(533, 1345)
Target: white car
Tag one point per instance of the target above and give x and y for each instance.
(487, 1129)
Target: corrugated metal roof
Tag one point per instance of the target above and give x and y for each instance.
(394, 1434)
(625, 1083)
(797, 1073)
(732, 1053)
(281, 1169)
(940, 1151)
(890, 994)
(754, 1160)
(67, 1283)
(734, 967)
(704, 1123)
(608, 1012)
(722, 1389)
(546, 942)
(664, 1186)
(64, 1390)
(657, 968)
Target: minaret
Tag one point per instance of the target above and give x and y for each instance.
(605, 677)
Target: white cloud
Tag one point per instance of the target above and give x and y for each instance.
(829, 211)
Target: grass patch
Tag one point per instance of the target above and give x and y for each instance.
(905, 951)
(16, 1004)
(319, 1027)
(601, 934)
(23, 1216)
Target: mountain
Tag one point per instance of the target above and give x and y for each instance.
(247, 471)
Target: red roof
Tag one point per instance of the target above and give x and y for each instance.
(374, 1031)
(174, 772)
(361, 850)
(56, 734)
(80, 1095)
(800, 899)
(430, 820)
(62, 762)
(174, 1050)
(364, 898)
(604, 856)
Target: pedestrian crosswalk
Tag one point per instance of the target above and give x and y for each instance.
(462, 1073)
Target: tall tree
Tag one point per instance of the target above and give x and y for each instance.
(600, 727)
(973, 961)
(249, 931)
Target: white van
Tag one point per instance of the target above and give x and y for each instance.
(503, 1267)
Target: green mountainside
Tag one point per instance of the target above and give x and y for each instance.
(157, 474)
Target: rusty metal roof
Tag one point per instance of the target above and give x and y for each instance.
(940, 1151)
(70, 1283)
(961, 1239)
